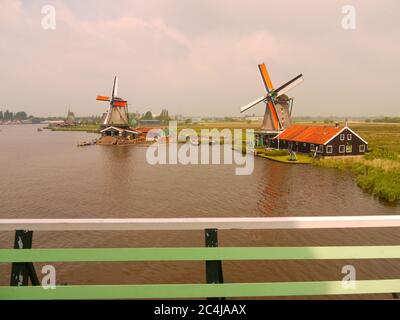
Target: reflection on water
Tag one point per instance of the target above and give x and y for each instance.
(44, 175)
(51, 177)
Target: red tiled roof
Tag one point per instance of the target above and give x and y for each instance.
(309, 134)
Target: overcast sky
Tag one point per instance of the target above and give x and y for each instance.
(199, 57)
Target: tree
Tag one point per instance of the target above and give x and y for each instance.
(7, 115)
(133, 122)
(164, 117)
(21, 115)
(148, 116)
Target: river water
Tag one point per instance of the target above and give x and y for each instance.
(45, 175)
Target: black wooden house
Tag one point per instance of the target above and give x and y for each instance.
(322, 140)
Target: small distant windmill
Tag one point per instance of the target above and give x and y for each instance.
(278, 111)
(117, 113)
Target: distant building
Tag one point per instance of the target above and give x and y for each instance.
(70, 118)
(149, 123)
(196, 119)
(322, 140)
(151, 133)
(254, 118)
(52, 122)
(178, 117)
(68, 122)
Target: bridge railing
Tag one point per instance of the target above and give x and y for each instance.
(23, 256)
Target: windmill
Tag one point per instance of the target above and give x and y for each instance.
(278, 105)
(117, 113)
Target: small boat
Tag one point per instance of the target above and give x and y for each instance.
(84, 143)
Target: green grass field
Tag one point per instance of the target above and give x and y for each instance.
(378, 172)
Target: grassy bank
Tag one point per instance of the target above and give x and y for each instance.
(92, 128)
(378, 172)
(283, 157)
(378, 177)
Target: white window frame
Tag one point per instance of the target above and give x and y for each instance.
(312, 147)
(344, 148)
(342, 136)
(363, 148)
(351, 146)
(321, 149)
(349, 136)
(329, 149)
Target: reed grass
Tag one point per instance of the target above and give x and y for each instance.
(378, 172)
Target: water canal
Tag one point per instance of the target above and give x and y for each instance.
(45, 175)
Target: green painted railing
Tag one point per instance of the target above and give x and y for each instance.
(211, 255)
(172, 291)
(198, 254)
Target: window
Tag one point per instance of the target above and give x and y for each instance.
(312, 147)
(329, 149)
(341, 149)
(349, 136)
(349, 148)
(362, 148)
(320, 149)
(342, 137)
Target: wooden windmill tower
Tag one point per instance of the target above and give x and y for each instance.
(117, 113)
(278, 111)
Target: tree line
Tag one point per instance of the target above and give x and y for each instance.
(163, 117)
(385, 120)
(9, 115)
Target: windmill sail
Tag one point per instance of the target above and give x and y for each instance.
(266, 78)
(289, 85)
(103, 98)
(115, 88)
(252, 104)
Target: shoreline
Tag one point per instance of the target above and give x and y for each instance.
(377, 173)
